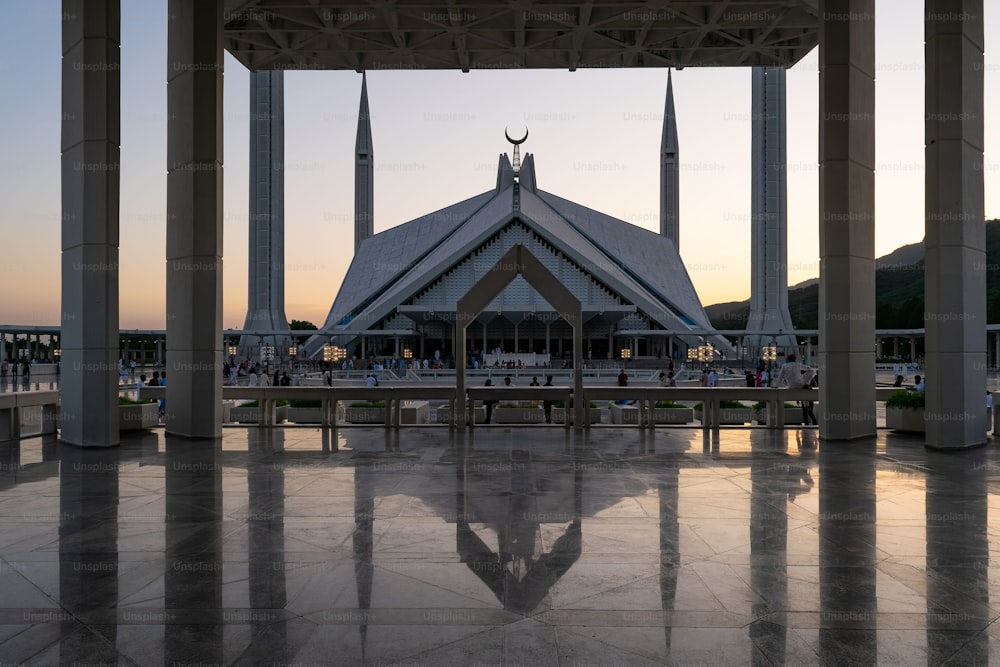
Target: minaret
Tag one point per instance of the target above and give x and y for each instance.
(266, 266)
(364, 173)
(669, 172)
(769, 210)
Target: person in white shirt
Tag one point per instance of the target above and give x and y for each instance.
(370, 381)
(918, 383)
(713, 378)
(795, 375)
(252, 382)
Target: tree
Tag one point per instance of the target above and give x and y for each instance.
(302, 325)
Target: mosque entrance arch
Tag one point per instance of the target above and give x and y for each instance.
(518, 261)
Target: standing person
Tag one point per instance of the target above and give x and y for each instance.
(622, 379)
(131, 369)
(489, 404)
(704, 377)
(138, 388)
(547, 405)
(534, 382)
(155, 382)
(751, 380)
(506, 381)
(671, 380)
(252, 380)
(663, 380)
(765, 378)
(4, 367)
(918, 383)
(713, 378)
(163, 401)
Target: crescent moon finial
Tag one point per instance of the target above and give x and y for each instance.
(506, 133)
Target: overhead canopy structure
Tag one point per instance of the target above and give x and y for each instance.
(414, 34)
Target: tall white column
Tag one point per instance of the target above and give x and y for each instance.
(955, 227)
(194, 219)
(847, 218)
(91, 76)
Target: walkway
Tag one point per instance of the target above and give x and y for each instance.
(514, 546)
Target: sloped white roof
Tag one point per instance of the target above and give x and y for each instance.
(392, 267)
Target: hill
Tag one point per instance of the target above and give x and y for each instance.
(899, 291)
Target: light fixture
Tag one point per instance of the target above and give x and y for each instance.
(57, 353)
(292, 350)
(232, 350)
(626, 353)
(407, 353)
(332, 352)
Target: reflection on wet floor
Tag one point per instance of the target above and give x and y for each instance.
(507, 546)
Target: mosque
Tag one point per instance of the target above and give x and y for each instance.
(400, 293)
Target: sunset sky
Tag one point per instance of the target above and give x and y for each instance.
(595, 135)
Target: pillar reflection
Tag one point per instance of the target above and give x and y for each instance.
(266, 544)
(776, 479)
(847, 553)
(192, 583)
(88, 547)
(958, 556)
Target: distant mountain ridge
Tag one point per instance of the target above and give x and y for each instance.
(899, 291)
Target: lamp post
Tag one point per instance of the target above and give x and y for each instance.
(293, 351)
(232, 353)
(769, 353)
(626, 353)
(266, 355)
(705, 354)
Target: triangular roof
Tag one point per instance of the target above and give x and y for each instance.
(392, 267)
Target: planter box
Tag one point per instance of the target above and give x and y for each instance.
(559, 415)
(444, 414)
(792, 417)
(415, 412)
(731, 416)
(252, 415)
(910, 420)
(673, 415)
(533, 415)
(364, 415)
(137, 417)
(624, 414)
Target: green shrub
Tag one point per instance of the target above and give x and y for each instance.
(562, 404)
(128, 401)
(906, 399)
(518, 404)
(367, 404)
(669, 404)
(726, 404)
(302, 403)
(253, 404)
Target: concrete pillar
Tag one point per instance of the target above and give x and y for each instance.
(91, 78)
(878, 348)
(913, 349)
(996, 350)
(847, 218)
(955, 227)
(159, 352)
(194, 218)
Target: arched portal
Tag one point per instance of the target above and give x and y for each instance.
(519, 261)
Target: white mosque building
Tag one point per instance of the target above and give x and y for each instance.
(401, 290)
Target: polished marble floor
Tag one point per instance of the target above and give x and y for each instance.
(516, 546)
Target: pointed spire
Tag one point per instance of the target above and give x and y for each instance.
(670, 171)
(668, 144)
(363, 144)
(364, 172)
